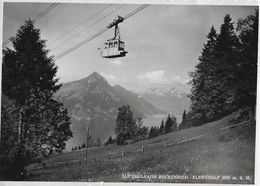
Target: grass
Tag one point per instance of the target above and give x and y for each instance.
(230, 153)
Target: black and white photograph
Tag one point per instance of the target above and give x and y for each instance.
(129, 92)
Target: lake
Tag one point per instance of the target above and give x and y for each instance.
(156, 119)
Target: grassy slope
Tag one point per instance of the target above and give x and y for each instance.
(227, 153)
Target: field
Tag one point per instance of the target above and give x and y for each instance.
(229, 153)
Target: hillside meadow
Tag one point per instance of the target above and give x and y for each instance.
(220, 157)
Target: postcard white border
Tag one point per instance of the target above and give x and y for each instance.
(164, 2)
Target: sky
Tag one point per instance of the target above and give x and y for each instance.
(163, 41)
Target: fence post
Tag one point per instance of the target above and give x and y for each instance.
(142, 148)
(109, 157)
(165, 144)
(122, 153)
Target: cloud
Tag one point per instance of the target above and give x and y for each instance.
(153, 77)
(158, 78)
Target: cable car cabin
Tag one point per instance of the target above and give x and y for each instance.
(114, 48)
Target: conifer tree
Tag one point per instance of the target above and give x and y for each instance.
(152, 132)
(225, 71)
(162, 127)
(140, 131)
(184, 120)
(225, 78)
(125, 125)
(203, 80)
(184, 116)
(246, 79)
(109, 141)
(213, 80)
(174, 126)
(27, 68)
(168, 124)
(28, 78)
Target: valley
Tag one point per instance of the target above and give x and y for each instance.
(92, 102)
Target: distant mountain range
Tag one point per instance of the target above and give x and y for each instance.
(92, 102)
(172, 101)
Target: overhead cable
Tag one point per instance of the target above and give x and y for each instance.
(81, 23)
(52, 6)
(99, 33)
(89, 26)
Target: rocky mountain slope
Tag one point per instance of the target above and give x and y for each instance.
(93, 102)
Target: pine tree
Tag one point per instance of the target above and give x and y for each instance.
(140, 130)
(225, 71)
(213, 91)
(28, 78)
(174, 123)
(246, 79)
(125, 125)
(151, 132)
(27, 68)
(168, 124)
(83, 146)
(109, 141)
(154, 132)
(184, 120)
(203, 81)
(162, 127)
(184, 116)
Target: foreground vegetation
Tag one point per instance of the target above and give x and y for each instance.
(225, 78)
(228, 153)
(33, 124)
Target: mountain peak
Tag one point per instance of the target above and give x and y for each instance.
(175, 92)
(95, 75)
(157, 91)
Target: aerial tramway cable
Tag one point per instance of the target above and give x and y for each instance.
(45, 12)
(88, 26)
(52, 6)
(81, 23)
(99, 33)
